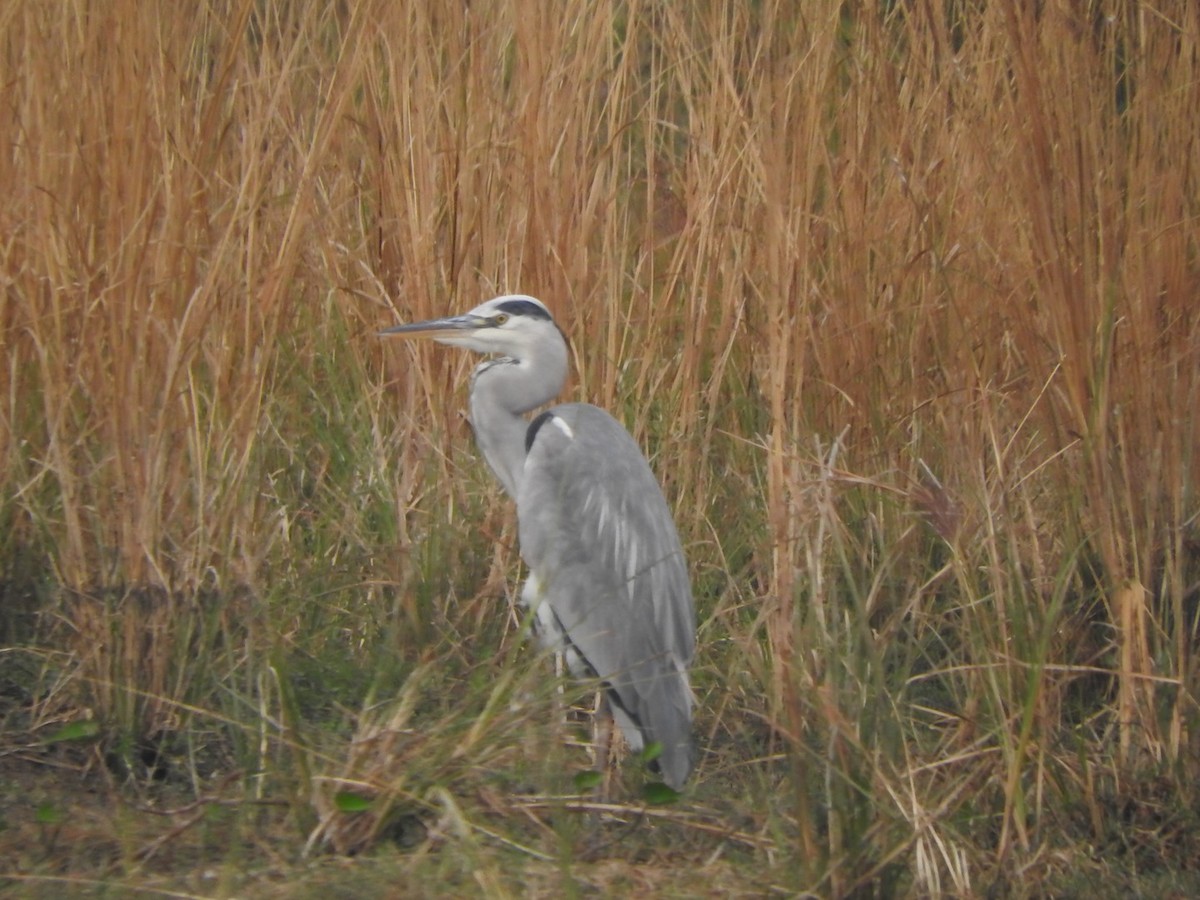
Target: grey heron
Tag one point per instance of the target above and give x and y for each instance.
(608, 582)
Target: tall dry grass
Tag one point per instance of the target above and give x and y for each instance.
(899, 298)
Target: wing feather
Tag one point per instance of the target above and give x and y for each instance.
(597, 532)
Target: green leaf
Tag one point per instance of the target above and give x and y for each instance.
(658, 794)
(48, 814)
(81, 730)
(350, 802)
(652, 751)
(585, 781)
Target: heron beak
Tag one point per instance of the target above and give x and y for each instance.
(450, 326)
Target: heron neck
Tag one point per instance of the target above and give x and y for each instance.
(502, 392)
(500, 435)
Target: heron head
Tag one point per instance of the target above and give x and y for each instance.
(514, 325)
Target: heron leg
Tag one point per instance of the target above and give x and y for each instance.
(561, 712)
(602, 732)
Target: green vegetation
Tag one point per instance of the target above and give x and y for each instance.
(900, 298)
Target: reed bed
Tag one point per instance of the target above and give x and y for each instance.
(900, 299)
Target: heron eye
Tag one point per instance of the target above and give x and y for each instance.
(501, 318)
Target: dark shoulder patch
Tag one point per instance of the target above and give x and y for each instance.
(524, 308)
(534, 427)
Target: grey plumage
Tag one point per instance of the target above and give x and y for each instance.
(608, 580)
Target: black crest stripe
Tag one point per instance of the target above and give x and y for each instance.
(523, 308)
